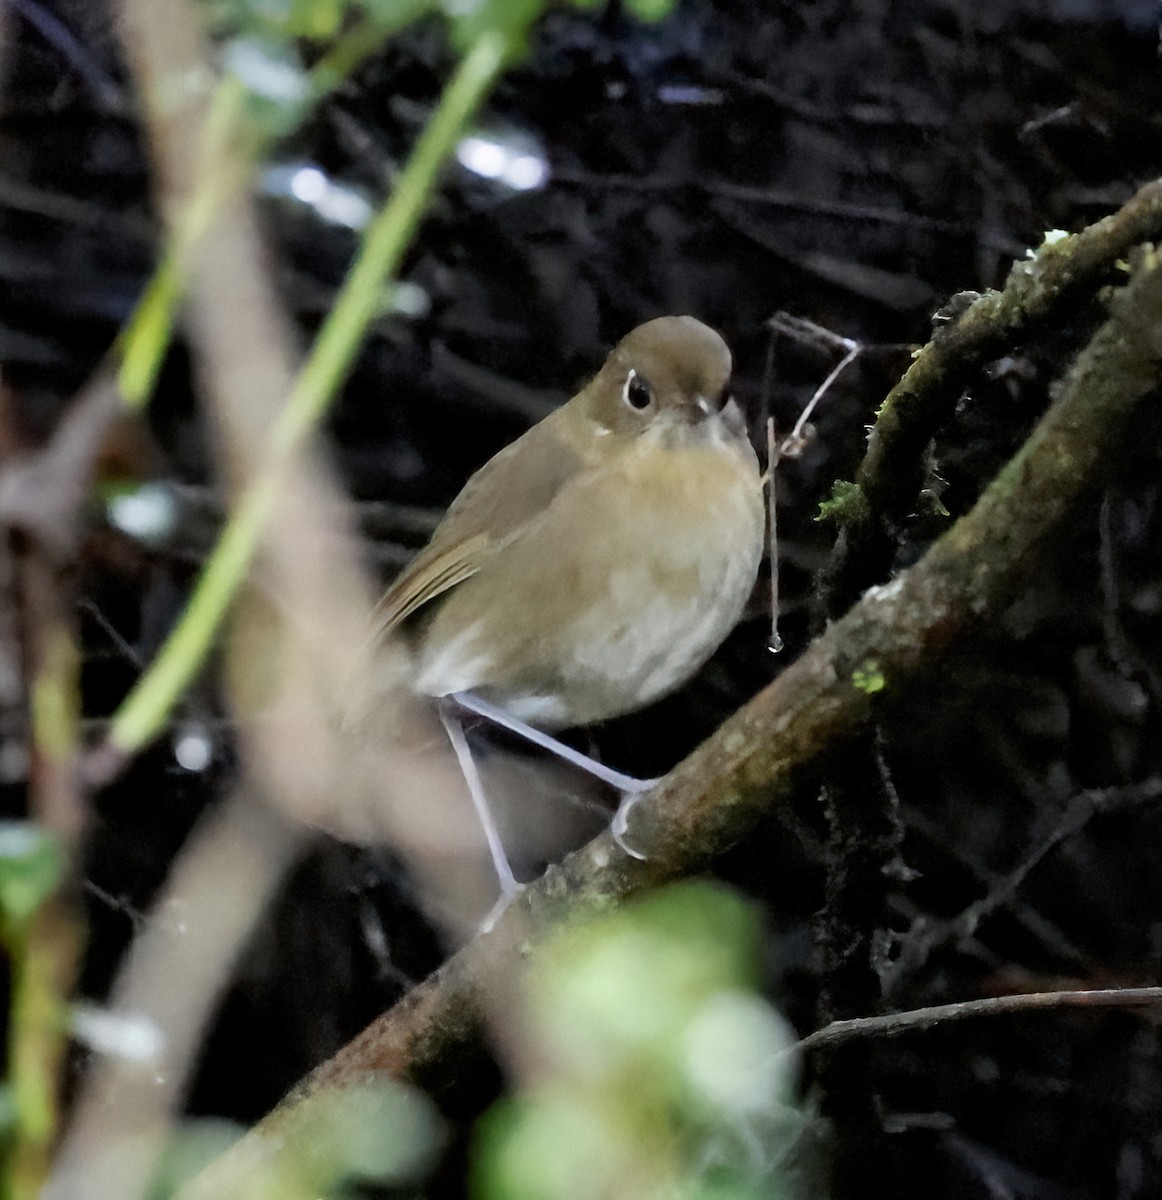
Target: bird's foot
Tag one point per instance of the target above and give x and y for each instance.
(500, 907)
(619, 826)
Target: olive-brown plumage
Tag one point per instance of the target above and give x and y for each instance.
(594, 564)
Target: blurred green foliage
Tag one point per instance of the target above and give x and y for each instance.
(324, 20)
(31, 866)
(652, 1067)
(377, 1132)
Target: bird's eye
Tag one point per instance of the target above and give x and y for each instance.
(637, 392)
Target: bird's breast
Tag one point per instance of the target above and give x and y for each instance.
(614, 595)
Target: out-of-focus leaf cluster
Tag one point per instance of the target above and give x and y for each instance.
(317, 20)
(378, 1132)
(323, 20)
(654, 1069)
(31, 866)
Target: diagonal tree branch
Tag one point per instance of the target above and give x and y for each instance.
(716, 796)
(712, 799)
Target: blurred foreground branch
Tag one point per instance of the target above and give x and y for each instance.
(40, 502)
(311, 608)
(165, 996)
(291, 425)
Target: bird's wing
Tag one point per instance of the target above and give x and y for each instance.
(493, 507)
(428, 575)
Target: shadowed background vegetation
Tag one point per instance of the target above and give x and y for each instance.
(853, 164)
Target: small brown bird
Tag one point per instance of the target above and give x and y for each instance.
(596, 563)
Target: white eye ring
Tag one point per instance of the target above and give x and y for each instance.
(633, 396)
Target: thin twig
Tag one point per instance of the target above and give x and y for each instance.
(792, 445)
(44, 951)
(928, 934)
(40, 499)
(775, 642)
(763, 197)
(917, 1019)
(796, 441)
(212, 147)
(54, 31)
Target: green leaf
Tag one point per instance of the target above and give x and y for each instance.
(650, 10)
(472, 19)
(660, 1072)
(280, 18)
(316, 18)
(31, 867)
(618, 992)
(564, 1145)
(846, 504)
(9, 1114)
(192, 1146)
(869, 678)
(394, 14)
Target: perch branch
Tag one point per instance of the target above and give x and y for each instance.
(754, 761)
(716, 795)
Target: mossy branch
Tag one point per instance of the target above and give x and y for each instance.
(1039, 291)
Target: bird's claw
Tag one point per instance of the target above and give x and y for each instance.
(500, 907)
(619, 826)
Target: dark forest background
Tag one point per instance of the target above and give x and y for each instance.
(856, 164)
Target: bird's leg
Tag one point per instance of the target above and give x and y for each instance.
(631, 789)
(455, 730)
(626, 784)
